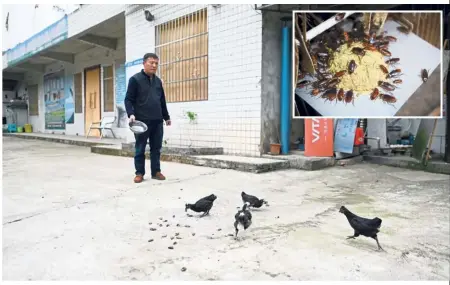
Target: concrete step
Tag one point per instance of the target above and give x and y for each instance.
(65, 139)
(247, 164)
(409, 163)
(298, 160)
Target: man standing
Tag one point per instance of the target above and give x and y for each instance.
(146, 102)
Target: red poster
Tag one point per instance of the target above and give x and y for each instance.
(319, 137)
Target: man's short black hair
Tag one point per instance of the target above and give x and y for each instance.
(150, 55)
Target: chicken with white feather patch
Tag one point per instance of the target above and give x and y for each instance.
(242, 218)
(253, 201)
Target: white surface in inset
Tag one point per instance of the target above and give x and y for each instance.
(415, 54)
(314, 32)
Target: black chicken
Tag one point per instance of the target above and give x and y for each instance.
(253, 201)
(243, 217)
(363, 226)
(203, 205)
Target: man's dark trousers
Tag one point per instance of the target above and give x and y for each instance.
(154, 135)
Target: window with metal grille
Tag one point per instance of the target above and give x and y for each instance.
(78, 90)
(33, 100)
(108, 89)
(182, 48)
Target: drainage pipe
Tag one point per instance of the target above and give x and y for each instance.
(286, 89)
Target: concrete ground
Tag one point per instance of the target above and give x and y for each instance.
(69, 214)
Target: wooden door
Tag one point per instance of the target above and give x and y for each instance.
(92, 106)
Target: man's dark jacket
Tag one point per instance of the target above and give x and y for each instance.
(145, 98)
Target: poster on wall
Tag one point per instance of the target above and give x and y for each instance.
(121, 90)
(54, 101)
(344, 137)
(69, 103)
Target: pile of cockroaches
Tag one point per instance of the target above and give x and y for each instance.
(327, 82)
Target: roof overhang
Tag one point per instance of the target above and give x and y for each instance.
(52, 45)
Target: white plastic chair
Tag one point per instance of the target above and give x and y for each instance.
(105, 124)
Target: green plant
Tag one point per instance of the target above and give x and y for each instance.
(191, 116)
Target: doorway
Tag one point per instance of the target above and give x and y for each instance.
(92, 106)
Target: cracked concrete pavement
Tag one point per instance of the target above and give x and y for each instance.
(69, 214)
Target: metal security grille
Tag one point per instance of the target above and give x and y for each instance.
(182, 47)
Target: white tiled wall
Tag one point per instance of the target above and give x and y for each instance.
(231, 118)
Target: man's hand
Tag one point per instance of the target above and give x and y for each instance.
(132, 118)
(168, 122)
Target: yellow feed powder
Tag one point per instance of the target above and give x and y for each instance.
(367, 72)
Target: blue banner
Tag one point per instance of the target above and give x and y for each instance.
(69, 104)
(344, 136)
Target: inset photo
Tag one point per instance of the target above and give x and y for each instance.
(371, 64)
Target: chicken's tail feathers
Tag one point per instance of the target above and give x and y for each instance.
(243, 194)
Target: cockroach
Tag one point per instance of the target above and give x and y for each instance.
(314, 60)
(340, 95)
(349, 97)
(403, 30)
(303, 83)
(321, 83)
(374, 94)
(358, 51)
(384, 69)
(349, 43)
(321, 65)
(386, 86)
(330, 94)
(397, 81)
(346, 37)
(392, 60)
(381, 43)
(326, 75)
(315, 92)
(388, 98)
(340, 73)
(351, 66)
(372, 37)
(391, 38)
(339, 17)
(394, 73)
(383, 47)
(385, 52)
(322, 70)
(370, 47)
(424, 75)
(332, 83)
(323, 54)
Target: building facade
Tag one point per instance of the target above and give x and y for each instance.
(220, 65)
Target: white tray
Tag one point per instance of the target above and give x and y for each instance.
(415, 54)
